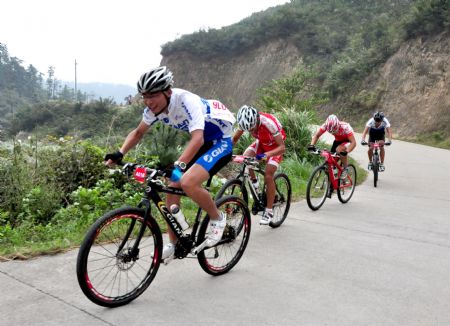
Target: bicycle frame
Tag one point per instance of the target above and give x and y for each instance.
(244, 175)
(332, 160)
(151, 194)
(376, 155)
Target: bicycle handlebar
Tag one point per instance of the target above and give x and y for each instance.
(144, 173)
(319, 151)
(385, 144)
(247, 160)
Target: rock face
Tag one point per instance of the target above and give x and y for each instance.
(413, 85)
(233, 80)
(416, 83)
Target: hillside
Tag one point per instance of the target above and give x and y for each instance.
(397, 63)
(411, 87)
(234, 79)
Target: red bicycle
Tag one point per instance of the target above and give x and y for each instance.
(326, 178)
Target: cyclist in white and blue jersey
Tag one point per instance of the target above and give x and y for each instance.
(209, 123)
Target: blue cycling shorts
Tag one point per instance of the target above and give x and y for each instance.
(213, 155)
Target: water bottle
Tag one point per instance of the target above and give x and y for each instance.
(178, 214)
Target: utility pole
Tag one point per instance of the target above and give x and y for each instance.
(76, 92)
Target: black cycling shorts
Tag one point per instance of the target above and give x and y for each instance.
(376, 134)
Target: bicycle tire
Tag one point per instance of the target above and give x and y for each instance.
(346, 187)
(376, 166)
(282, 201)
(319, 181)
(221, 258)
(111, 277)
(233, 187)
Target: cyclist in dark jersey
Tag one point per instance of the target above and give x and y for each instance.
(377, 127)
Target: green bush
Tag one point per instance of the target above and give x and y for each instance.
(37, 176)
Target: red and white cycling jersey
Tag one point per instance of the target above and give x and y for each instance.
(343, 133)
(269, 127)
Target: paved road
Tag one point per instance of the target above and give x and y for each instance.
(381, 259)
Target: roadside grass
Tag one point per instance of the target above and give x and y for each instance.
(67, 229)
(435, 139)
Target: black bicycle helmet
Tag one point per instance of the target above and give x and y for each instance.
(378, 116)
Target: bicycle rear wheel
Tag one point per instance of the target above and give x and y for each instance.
(317, 188)
(347, 186)
(233, 187)
(225, 255)
(109, 274)
(282, 201)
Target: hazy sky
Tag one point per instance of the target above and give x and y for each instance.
(113, 41)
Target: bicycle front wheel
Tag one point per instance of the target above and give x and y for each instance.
(317, 188)
(347, 186)
(225, 255)
(109, 273)
(282, 201)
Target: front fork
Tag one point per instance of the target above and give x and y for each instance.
(134, 251)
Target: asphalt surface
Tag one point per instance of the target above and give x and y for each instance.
(381, 259)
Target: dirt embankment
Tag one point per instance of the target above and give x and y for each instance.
(413, 86)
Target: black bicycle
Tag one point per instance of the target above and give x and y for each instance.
(121, 252)
(238, 187)
(375, 166)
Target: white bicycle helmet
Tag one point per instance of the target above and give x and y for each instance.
(157, 79)
(247, 117)
(332, 124)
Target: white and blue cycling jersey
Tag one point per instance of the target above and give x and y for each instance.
(189, 112)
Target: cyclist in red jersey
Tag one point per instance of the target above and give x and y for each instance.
(269, 144)
(344, 140)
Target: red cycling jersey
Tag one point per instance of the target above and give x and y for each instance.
(343, 133)
(269, 127)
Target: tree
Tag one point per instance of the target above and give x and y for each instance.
(50, 82)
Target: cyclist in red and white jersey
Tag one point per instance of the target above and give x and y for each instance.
(344, 140)
(269, 144)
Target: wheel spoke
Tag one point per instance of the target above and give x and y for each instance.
(221, 258)
(112, 279)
